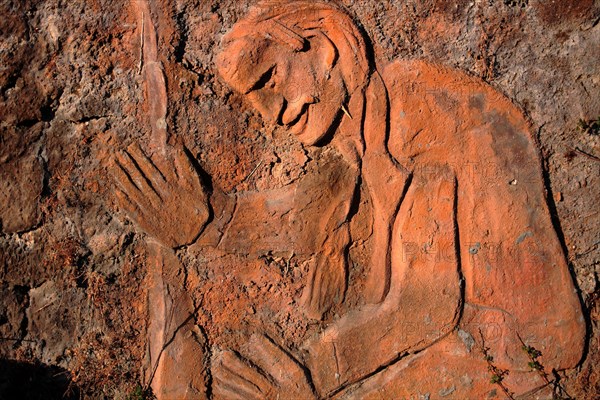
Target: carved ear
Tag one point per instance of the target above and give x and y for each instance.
(329, 51)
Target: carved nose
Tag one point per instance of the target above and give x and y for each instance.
(295, 108)
(269, 105)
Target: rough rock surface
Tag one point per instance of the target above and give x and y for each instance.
(80, 81)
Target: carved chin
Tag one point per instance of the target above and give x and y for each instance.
(309, 136)
(311, 127)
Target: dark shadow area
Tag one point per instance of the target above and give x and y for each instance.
(24, 381)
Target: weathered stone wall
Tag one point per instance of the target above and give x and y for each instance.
(73, 267)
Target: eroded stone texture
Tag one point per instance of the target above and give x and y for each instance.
(21, 187)
(464, 258)
(12, 314)
(48, 306)
(243, 199)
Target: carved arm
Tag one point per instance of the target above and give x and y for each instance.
(423, 303)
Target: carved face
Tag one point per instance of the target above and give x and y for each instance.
(299, 89)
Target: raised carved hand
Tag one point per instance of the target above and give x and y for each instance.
(270, 373)
(163, 195)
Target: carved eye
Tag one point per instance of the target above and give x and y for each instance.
(264, 79)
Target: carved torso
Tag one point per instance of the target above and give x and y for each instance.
(506, 240)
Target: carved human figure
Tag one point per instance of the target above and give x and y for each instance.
(465, 257)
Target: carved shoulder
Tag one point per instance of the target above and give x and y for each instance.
(434, 108)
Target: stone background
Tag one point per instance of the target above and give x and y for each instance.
(72, 266)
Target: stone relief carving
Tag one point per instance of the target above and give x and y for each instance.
(463, 252)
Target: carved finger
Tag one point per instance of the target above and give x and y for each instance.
(164, 164)
(222, 390)
(186, 171)
(274, 360)
(313, 305)
(308, 294)
(326, 284)
(123, 179)
(129, 187)
(131, 208)
(235, 365)
(240, 384)
(146, 165)
(130, 166)
(157, 177)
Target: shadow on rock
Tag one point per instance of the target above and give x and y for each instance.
(20, 380)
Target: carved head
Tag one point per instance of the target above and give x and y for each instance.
(297, 63)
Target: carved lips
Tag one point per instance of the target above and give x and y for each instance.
(298, 125)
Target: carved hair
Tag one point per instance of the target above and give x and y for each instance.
(288, 22)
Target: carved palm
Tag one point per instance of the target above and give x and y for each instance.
(164, 196)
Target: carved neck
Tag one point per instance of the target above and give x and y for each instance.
(358, 130)
(349, 137)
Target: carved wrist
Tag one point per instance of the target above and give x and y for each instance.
(223, 206)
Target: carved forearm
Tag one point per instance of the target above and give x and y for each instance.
(377, 335)
(424, 300)
(246, 211)
(223, 207)
(173, 338)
